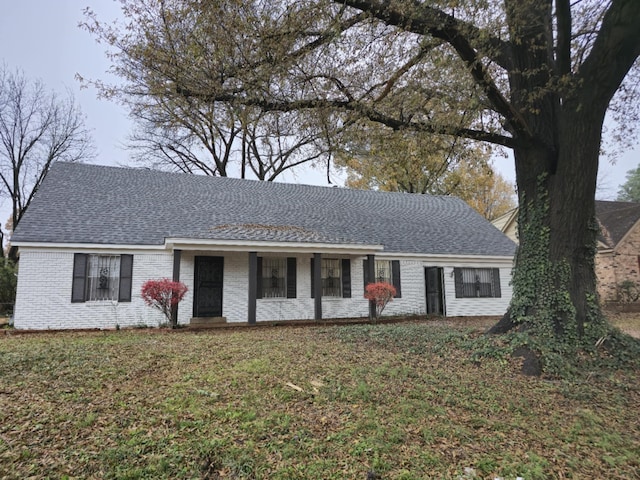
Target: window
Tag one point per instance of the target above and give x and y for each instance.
(331, 277)
(477, 282)
(384, 271)
(276, 277)
(335, 275)
(101, 278)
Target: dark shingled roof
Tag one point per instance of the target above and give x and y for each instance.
(616, 219)
(79, 203)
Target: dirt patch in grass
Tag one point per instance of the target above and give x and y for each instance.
(628, 322)
(402, 401)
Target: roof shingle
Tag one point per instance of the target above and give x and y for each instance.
(616, 219)
(80, 203)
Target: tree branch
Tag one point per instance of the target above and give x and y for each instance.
(563, 15)
(401, 71)
(421, 18)
(363, 110)
(614, 52)
(389, 121)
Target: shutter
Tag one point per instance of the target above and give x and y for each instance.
(259, 277)
(365, 273)
(346, 278)
(457, 274)
(291, 277)
(312, 279)
(126, 273)
(78, 287)
(496, 283)
(395, 277)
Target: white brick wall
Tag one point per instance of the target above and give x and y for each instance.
(43, 299)
(300, 308)
(235, 295)
(412, 289)
(44, 292)
(413, 301)
(468, 307)
(235, 287)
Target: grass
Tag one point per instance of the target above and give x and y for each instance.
(405, 401)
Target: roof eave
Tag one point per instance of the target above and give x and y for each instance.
(84, 246)
(270, 246)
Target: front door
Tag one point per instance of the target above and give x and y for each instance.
(433, 277)
(207, 293)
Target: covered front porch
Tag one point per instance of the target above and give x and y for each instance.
(246, 282)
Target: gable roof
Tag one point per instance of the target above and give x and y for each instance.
(616, 219)
(80, 203)
(504, 221)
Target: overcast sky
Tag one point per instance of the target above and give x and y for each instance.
(42, 38)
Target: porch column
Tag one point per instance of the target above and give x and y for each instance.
(370, 275)
(177, 255)
(253, 287)
(317, 285)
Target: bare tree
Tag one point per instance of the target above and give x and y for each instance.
(189, 134)
(37, 128)
(221, 139)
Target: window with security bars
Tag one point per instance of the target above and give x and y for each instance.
(103, 277)
(274, 277)
(387, 271)
(383, 271)
(331, 277)
(477, 282)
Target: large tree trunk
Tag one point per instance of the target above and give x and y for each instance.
(556, 158)
(554, 283)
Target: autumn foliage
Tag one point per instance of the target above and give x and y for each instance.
(381, 293)
(163, 294)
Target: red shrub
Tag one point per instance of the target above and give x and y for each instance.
(163, 294)
(381, 293)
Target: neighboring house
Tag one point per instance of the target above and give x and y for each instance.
(249, 251)
(507, 223)
(618, 254)
(618, 258)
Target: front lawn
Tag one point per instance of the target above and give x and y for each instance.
(399, 401)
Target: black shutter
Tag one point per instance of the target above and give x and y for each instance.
(457, 274)
(78, 288)
(126, 274)
(395, 277)
(365, 273)
(496, 283)
(259, 277)
(312, 280)
(346, 278)
(291, 277)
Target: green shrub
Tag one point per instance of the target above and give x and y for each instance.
(8, 282)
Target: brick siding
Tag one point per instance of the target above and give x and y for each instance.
(43, 299)
(45, 277)
(614, 267)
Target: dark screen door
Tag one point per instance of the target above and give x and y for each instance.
(435, 298)
(208, 286)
